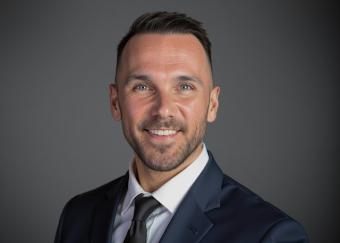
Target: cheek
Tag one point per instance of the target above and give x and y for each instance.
(133, 111)
(194, 110)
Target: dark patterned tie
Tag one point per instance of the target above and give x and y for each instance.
(144, 206)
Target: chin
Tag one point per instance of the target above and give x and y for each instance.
(163, 161)
(158, 166)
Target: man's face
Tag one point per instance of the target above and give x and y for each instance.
(164, 97)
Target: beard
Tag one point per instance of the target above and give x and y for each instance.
(166, 157)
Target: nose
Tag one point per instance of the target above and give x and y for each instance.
(164, 105)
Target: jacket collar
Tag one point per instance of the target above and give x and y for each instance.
(190, 223)
(105, 211)
(207, 187)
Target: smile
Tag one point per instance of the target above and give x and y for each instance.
(163, 132)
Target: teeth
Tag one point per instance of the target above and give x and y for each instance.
(163, 132)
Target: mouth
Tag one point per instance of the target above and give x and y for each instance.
(162, 133)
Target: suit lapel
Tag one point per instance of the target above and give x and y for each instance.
(190, 223)
(105, 211)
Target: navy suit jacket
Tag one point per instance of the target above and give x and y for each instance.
(215, 209)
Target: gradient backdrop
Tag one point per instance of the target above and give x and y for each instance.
(277, 63)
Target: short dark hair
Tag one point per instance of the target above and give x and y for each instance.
(166, 22)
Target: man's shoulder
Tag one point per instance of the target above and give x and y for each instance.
(250, 213)
(235, 198)
(91, 197)
(80, 211)
(236, 194)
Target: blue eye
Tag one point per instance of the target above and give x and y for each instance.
(140, 87)
(186, 87)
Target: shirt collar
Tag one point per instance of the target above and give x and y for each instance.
(173, 191)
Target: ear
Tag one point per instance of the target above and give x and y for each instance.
(114, 102)
(213, 104)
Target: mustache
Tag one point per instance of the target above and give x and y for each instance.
(167, 123)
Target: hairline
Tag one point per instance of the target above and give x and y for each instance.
(162, 32)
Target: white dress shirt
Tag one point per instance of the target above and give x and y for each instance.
(169, 195)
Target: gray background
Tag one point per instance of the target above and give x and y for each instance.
(277, 63)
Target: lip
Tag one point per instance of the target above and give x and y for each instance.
(167, 134)
(163, 132)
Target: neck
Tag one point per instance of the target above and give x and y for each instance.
(150, 180)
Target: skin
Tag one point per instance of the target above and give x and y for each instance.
(163, 82)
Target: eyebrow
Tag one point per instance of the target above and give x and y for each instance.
(142, 77)
(189, 78)
(147, 78)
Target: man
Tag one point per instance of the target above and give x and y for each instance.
(174, 191)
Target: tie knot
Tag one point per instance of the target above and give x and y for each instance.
(144, 207)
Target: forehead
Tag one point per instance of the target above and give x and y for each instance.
(164, 51)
